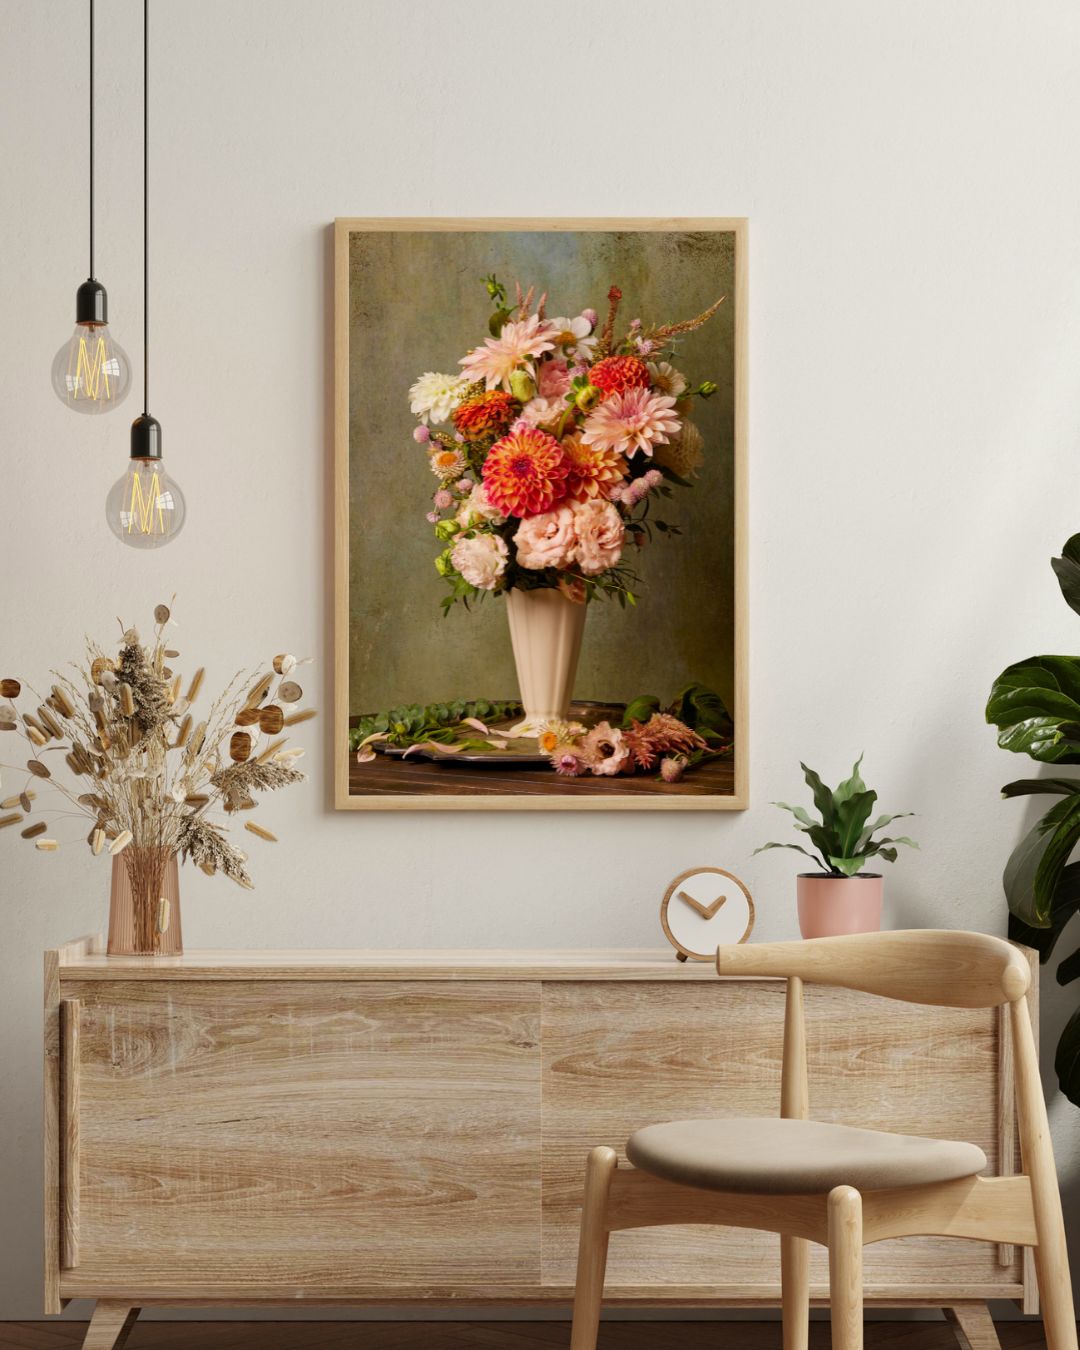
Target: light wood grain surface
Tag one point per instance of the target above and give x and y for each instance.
(372, 1127)
(652, 964)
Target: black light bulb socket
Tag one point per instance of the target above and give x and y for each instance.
(145, 437)
(91, 303)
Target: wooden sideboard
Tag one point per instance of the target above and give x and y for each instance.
(397, 1127)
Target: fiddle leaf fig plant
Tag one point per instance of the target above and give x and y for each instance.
(844, 836)
(1035, 705)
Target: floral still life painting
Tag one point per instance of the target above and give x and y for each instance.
(568, 441)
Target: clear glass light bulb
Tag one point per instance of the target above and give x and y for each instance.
(145, 508)
(91, 373)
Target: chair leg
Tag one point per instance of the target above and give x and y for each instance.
(1052, 1272)
(795, 1284)
(845, 1268)
(592, 1249)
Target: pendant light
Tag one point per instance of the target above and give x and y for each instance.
(91, 373)
(145, 508)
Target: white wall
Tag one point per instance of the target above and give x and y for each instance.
(910, 176)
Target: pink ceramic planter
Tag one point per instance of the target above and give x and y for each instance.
(831, 906)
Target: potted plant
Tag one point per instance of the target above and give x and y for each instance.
(1035, 705)
(841, 898)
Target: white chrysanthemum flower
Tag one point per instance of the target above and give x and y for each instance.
(434, 397)
(575, 337)
(667, 379)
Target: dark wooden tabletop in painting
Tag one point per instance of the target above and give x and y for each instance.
(387, 776)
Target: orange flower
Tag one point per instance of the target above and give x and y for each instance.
(525, 473)
(615, 373)
(485, 414)
(594, 472)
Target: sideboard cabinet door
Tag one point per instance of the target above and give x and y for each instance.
(291, 1138)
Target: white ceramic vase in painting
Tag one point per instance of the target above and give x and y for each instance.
(545, 630)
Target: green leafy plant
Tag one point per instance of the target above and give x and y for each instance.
(1035, 705)
(444, 723)
(844, 840)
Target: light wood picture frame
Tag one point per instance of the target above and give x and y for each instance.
(409, 298)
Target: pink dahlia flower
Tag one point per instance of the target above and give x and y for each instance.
(600, 535)
(499, 357)
(546, 540)
(631, 420)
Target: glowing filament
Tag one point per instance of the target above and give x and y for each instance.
(141, 513)
(90, 372)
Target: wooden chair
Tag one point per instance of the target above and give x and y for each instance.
(813, 1182)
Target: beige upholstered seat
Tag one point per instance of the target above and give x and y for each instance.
(795, 1157)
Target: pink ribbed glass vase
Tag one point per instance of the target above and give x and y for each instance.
(144, 903)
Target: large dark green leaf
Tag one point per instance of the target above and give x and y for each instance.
(1067, 1059)
(1067, 569)
(852, 813)
(1061, 840)
(823, 797)
(1031, 903)
(1035, 704)
(1069, 969)
(1028, 787)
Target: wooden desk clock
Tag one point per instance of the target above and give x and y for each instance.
(703, 909)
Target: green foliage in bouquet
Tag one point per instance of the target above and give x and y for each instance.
(443, 723)
(843, 837)
(1035, 705)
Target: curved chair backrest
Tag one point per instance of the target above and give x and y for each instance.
(941, 968)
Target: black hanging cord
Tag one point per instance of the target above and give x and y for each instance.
(91, 139)
(146, 206)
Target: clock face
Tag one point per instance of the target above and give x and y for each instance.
(704, 909)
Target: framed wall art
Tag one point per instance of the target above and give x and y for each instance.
(540, 514)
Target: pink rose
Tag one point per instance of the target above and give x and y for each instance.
(546, 540)
(553, 379)
(599, 535)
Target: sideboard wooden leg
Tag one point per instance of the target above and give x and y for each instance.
(973, 1325)
(110, 1325)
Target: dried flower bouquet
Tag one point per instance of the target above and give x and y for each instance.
(125, 724)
